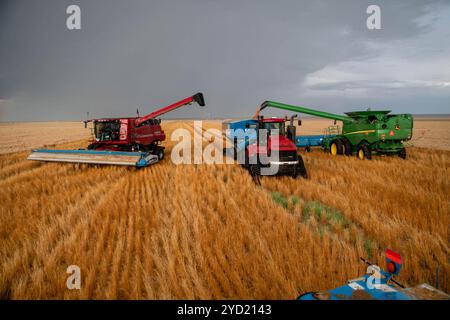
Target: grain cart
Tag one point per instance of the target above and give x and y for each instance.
(254, 139)
(134, 141)
(363, 132)
(379, 284)
(306, 141)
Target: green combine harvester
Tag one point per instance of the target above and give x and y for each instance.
(363, 132)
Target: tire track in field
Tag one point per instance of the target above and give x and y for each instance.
(129, 257)
(162, 253)
(111, 276)
(190, 227)
(179, 237)
(152, 243)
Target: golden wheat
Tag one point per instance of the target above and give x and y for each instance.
(207, 231)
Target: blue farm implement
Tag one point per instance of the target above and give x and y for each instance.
(308, 142)
(378, 284)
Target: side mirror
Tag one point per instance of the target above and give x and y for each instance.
(299, 122)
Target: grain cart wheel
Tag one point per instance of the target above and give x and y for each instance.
(235, 154)
(402, 153)
(336, 147)
(346, 147)
(364, 152)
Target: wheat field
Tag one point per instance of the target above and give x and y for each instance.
(208, 232)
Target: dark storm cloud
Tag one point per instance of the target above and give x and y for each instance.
(148, 53)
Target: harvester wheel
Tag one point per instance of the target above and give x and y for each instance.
(336, 147)
(364, 152)
(160, 154)
(347, 147)
(402, 153)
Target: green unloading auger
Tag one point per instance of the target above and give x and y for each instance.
(317, 113)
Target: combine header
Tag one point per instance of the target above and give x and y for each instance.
(136, 159)
(121, 141)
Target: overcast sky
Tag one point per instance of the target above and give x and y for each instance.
(145, 54)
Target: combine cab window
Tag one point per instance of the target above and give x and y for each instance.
(372, 119)
(107, 131)
(151, 122)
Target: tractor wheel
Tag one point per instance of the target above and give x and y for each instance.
(92, 146)
(255, 169)
(402, 153)
(347, 147)
(336, 147)
(364, 152)
(300, 169)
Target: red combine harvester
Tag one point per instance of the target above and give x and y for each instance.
(134, 141)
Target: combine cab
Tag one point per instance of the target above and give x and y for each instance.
(121, 141)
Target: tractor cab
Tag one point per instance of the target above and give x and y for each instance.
(274, 124)
(284, 140)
